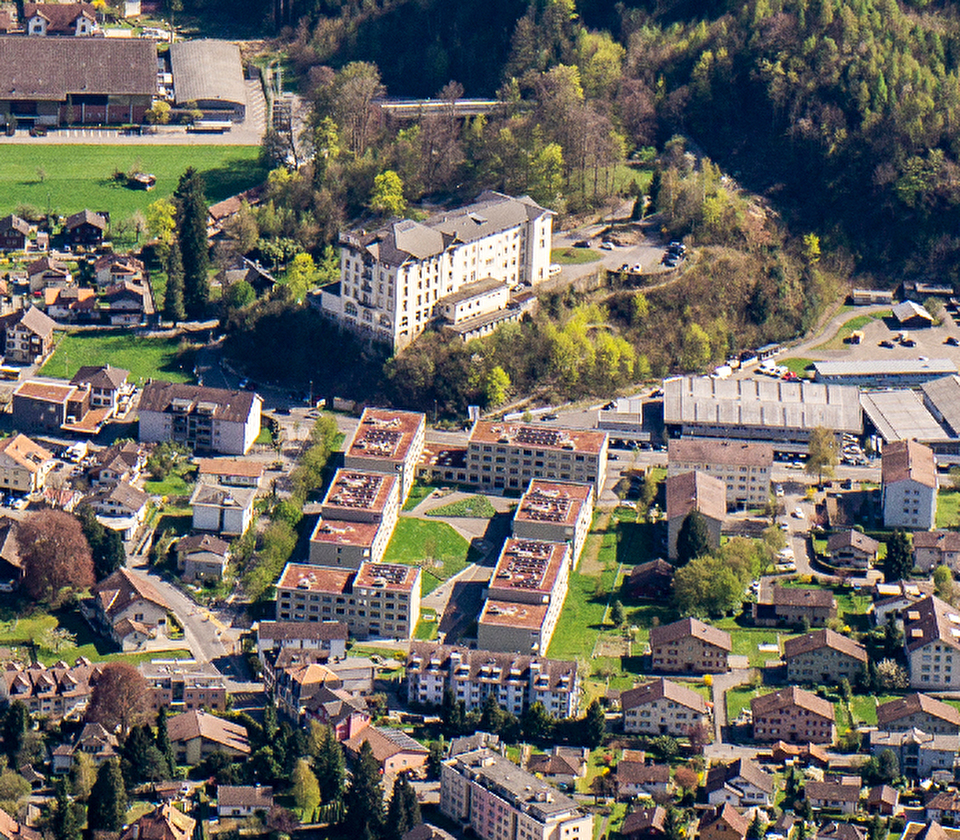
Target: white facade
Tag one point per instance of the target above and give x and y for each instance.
(909, 504)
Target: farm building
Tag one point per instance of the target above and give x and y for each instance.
(209, 73)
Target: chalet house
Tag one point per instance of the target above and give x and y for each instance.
(165, 822)
(932, 641)
(943, 807)
(823, 656)
(248, 271)
(48, 273)
(121, 507)
(72, 19)
(127, 607)
(936, 548)
(639, 779)
(85, 228)
(93, 741)
(243, 800)
(841, 794)
(108, 385)
(14, 234)
(202, 557)
(919, 711)
(120, 462)
(127, 304)
(794, 606)
(909, 485)
(28, 336)
(663, 707)
(644, 824)
(694, 491)
(689, 646)
(883, 800)
(24, 465)
(794, 715)
(222, 510)
(71, 304)
(395, 751)
(852, 549)
(724, 823)
(60, 692)
(195, 735)
(652, 580)
(114, 269)
(562, 766)
(740, 783)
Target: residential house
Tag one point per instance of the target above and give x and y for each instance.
(85, 229)
(233, 472)
(10, 829)
(127, 304)
(562, 766)
(120, 462)
(919, 711)
(60, 692)
(205, 419)
(740, 783)
(689, 646)
(113, 269)
(109, 388)
(297, 684)
(723, 823)
(929, 831)
(121, 507)
(936, 548)
(345, 714)
(637, 779)
(835, 794)
(694, 491)
(355, 672)
(909, 485)
(48, 273)
(823, 656)
(793, 715)
(852, 549)
(70, 304)
(840, 831)
(221, 509)
(652, 580)
(184, 685)
(202, 557)
(744, 468)
(932, 641)
(892, 600)
(555, 511)
(394, 750)
(28, 336)
(52, 406)
(24, 465)
(943, 807)
(243, 800)
(126, 607)
(14, 234)
(75, 19)
(517, 681)
(244, 269)
(644, 824)
(329, 637)
(806, 755)
(197, 734)
(165, 822)
(663, 707)
(883, 800)
(93, 741)
(794, 606)
(477, 783)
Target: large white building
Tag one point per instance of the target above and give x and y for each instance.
(745, 468)
(909, 475)
(394, 281)
(500, 801)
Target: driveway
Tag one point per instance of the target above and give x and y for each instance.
(721, 684)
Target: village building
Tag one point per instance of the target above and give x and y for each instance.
(744, 468)
(663, 707)
(823, 657)
(689, 646)
(196, 735)
(793, 715)
(694, 491)
(909, 486)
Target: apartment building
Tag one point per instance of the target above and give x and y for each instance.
(694, 491)
(507, 456)
(182, 686)
(524, 597)
(663, 707)
(388, 441)
(823, 657)
(60, 692)
(932, 641)
(793, 715)
(471, 675)
(378, 599)
(489, 794)
(794, 606)
(205, 419)
(919, 753)
(918, 711)
(24, 465)
(936, 548)
(744, 468)
(357, 518)
(396, 280)
(689, 646)
(909, 485)
(555, 511)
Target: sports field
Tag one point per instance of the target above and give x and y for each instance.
(66, 179)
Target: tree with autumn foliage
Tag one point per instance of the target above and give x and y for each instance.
(56, 556)
(121, 698)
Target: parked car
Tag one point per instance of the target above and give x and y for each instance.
(885, 343)
(798, 513)
(581, 243)
(606, 245)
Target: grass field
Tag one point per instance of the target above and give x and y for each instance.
(747, 640)
(81, 176)
(143, 357)
(797, 364)
(838, 342)
(948, 508)
(434, 546)
(574, 256)
(417, 494)
(477, 507)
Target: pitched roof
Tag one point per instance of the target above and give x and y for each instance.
(838, 790)
(10, 829)
(14, 223)
(164, 823)
(696, 491)
(841, 831)
(554, 765)
(44, 264)
(792, 696)
(659, 689)
(60, 17)
(826, 638)
(644, 820)
(743, 768)
(233, 406)
(101, 376)
(203, 542)
(245, 467)
(116, 592)
(24, 452)
(799, 596)
(939, 540)
(728, 814)
(931, 831)
(852, 539)
(318, 630)
(200, 724)
(726, 452)
(640, 773)
(931, 620)
(902, 707)
(126, 495)
(883, 795)
(690, 627)
(384, 743)
(245, 796)
(85, 217)
(907, 460)
(207, 70)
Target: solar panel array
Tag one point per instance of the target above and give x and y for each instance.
(546, 506)
(524, 564)
(356, 490)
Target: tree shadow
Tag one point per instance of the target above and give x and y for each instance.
(224, 181)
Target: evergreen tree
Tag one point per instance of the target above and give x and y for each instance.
(693, 540)
(404, 811)
(66, 822)
(108, 799)
(330, 767)
(899, 560)
(617, 614)
(142, 761)
(106, 545)
(173, 309)
(364, 799)
(673, 826)
(757, 828)
(191, 207)
(594, 725)
(491, 715)
(16, 723)
(163, 742)
(876, 830)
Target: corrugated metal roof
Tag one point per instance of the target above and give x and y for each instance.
(901, 415)
(207, 70)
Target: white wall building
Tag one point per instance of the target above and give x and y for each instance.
(909, 475)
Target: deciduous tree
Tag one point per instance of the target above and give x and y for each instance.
(120, 699)
(56, 556)
(387, 196)
(305, 788)
(823, 453)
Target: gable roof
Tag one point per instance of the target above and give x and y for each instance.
(319, 630)
(931, 620)
(200, 724)
(641, 773)
(728, 814)
(907, 460)
(659, 689)
(203, 542)
(245, 796)
(696, 491)
(207, 69)
(85, 217)
(24, 453)
(106, 376)
(14, 223)
(116, 592)
(792, 696)
(385, 743)
(940, 540)
(644, 820)
(853, 539)
(234, 406)
(743, 768)
(60, 17)
(839, 790)
(799, 596)
(690, 627)
(552, 765)
(902, 707)
(164, 823)
(826, 638)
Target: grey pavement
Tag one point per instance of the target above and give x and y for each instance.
(721, 684)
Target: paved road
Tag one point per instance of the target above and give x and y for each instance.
(721, 684)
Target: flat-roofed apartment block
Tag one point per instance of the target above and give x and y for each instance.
(932, 640)
(488, 793)
(394, 280)
(524, 597)
(745, 468)
(388, 441)
(357, 517)
(663, 707)
(555, 511)
(506, 456)
(517, 681)
(689, 646)
(378, 599)
(779, 413)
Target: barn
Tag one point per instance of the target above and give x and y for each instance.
(209, 73)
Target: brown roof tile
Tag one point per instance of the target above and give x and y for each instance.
(791, 696)
(696, 491)
(690, 627)
(904, 460)
(902, 707)
(824, 639)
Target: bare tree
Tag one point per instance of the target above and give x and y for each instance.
(121, 698)
(56, 556)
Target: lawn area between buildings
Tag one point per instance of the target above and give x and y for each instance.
(948, 508)
(145, 358)
(434, 546)
(751, 641)
(66, 179)
(476, 507)
(797, 364)
(574, 256)
(838, 342)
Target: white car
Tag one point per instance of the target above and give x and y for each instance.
(798, 513)
(779, 490)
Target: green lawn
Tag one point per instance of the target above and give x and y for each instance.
(581, 619)
(144, 357)
(948, 508)
(417, 494)
(739, 698)
(838, 342)
(176, 484)
(747, 640)
(81, 176)
(797, 364)
(864, 706)
(574, 256)
(477, 507)
(434, 546)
